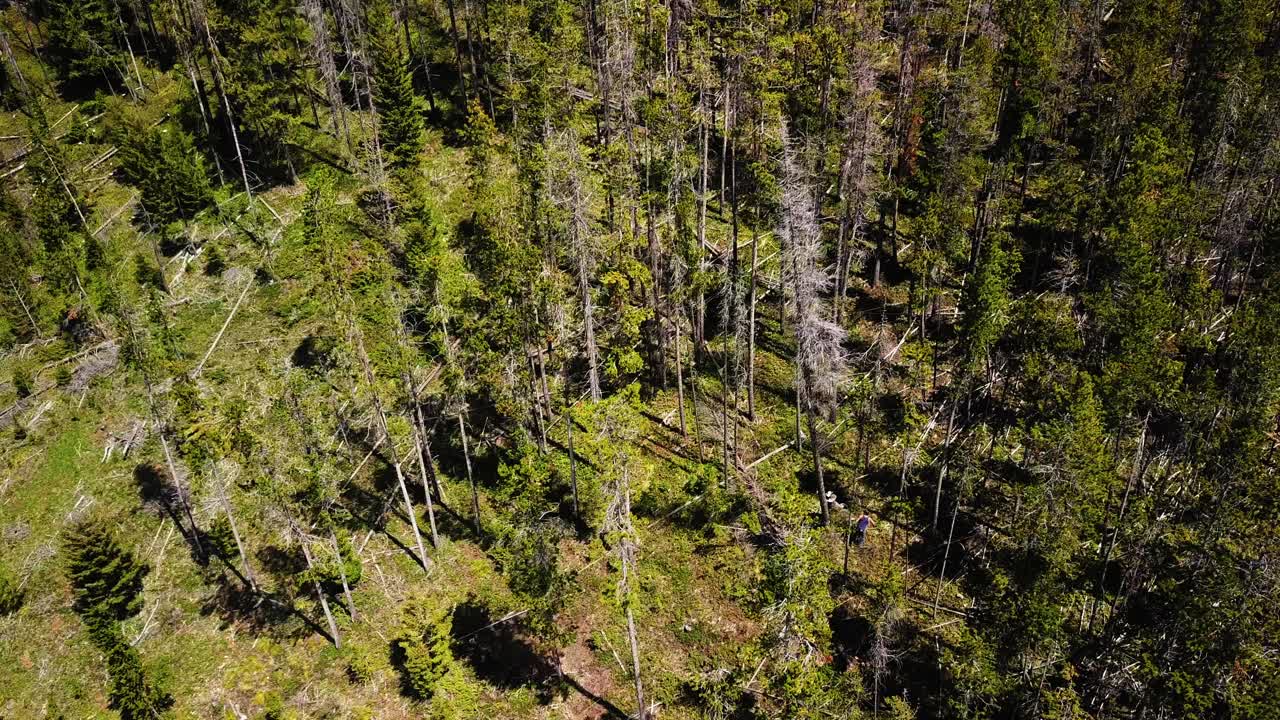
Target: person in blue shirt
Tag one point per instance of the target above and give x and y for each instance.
(864, 523)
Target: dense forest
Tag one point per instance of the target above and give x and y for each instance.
(720, 359)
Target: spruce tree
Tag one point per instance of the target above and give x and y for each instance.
(83, 41)
(985, 304)
(164, 164)
(400, 125)
(424, 651)
(10, 594)
(131, 693)
(106, 578)
(57, 213)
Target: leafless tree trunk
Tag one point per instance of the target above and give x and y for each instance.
(1115, 532)
(323, 58)
(655, 294)
(426, 464)
(679, 376)
(426, 469)
(186, 50)
(13, 61)
(946, 457)
(466, 455)
(392, 451)
(882, 652)
(202, 27)
(128, 44)
(618, 524)
(315, 582)
(35, 327)
(183, 498)
(457, 48)
(580, 243)
(820, 357)
(355, 40)
(342, 573)
(699, 320)
(946, 555)
(430, 472)
(751, 327)
(540, 416)
(235, 534)
(573, 461)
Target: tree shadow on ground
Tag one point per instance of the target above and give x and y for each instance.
(850, 636)
(453, 523)
(261, 613)
(610, 710)
(930, 548)
(502, 653)
(162, 497)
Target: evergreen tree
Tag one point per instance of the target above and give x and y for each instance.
(400, 111)
(258, 68)
(986, 302)
(106, 579)
(11, 595)
(423, 649)
(57, 213)
(84, 41)
(131, 693)
(164, 164)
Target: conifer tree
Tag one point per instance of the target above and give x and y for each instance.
(11, 596)
(83, 41)
(820, 361)
(164, 164)
(131, 692)
(400, 121)
(985, 304)
(58, 214)
(423, 646)
(18, 306)
(106, 579)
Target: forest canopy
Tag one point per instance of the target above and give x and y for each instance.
(639, 358)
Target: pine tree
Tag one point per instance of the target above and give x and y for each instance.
(164, 164)
(986, 303)
(257, 68)
(18, 307)
(820, 357)
(106, 581)
(57, 213)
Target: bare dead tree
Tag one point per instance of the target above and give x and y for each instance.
(422, 448)
(322, 55)
(200, 24)
(220, 488)
(858, 179)
(882, 653)
(820, 357)
(13, 61)
(304, 541)
(381, 416)
(569, 192)
(355, 42)
(136, 346)
(619, 527)
(342, 573)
